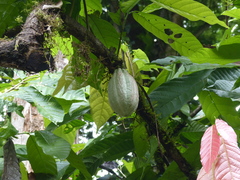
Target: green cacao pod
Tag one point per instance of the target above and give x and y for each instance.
(123, 93)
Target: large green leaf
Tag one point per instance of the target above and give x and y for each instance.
(192, 10)
(111, 147)
(172, 95)
(77, 163)
(46, 105)
(104, 31)
(222, 81)
(52, 144)
(177, 37)
(40, 162)
(100, 108)
(223, 55)
(218, 107)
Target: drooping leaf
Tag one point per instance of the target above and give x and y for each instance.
(218, 107)
(177, 37)
(100, 108)
(210, 145)
(128, 5)
(172, 95)
(192, 10)
(104, 31)
(66, 80)
(11, 169)
(77, 163)
(140, 139)
(151, 8)
(40, 162)
(228, 164)
(232, 13)
(52, 145)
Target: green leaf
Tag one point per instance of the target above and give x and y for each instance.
(151, 8)
(143, 173)
(192, 10)
(218, 107)
(104, 31)
(92, 7)
(222, 81)
(111, 147)
(40, 162)
(194, 131)
(9, 12)
(172, 95)
(128, 5)
(223, 55)
(61, 132)
(161, 78)
(47, 105)
(232, 13)
(140, 139)
(100, 108)
(52, 145)
(7, 130)
(76, 161)
(66, 81)
(177, 37)
(236, 84)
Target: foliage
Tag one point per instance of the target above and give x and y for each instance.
(184, 85)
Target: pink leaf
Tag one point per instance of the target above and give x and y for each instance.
(210, 144)
(202, 175)
(226, 131)
(228, 164)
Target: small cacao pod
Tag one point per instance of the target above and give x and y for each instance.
(123, 93)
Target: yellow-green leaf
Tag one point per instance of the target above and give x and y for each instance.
(100, 108)
(192, 10)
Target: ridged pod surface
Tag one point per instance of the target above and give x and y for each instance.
(123, 93)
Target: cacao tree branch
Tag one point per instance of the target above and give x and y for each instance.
(171, 150)
(109, 58)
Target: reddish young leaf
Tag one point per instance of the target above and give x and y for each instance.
(228, 164)
(202, 175)
(210, 145)
(226, 131)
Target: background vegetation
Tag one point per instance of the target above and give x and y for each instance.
(184, 55)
